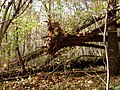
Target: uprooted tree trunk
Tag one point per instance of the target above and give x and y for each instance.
(28, 57)
(58, 38)
(65, 42)
(55, 42)
(61, 40)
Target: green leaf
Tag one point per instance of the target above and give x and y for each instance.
(117, 87)
(58, 2)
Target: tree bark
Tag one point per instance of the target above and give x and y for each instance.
(113, 48)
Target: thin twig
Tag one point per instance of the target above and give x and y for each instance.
(105, 45)
(101, 79)
(52, 71)
(96, 22)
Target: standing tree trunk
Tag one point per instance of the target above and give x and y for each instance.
(22, 62)
(113, 48)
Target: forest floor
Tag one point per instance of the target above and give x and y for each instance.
(63, 81)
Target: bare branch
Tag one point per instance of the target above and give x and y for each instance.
(105, 45)
(4, 16)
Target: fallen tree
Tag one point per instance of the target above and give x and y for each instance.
(57, 39)
(61, 40)
(54, 42)
(28, 57)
